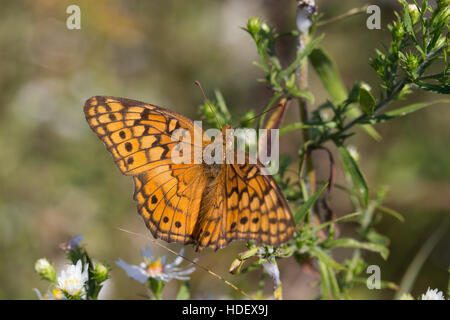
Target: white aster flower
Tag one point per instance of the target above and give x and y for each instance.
(72, 280)
(433, 295)
(155, 268)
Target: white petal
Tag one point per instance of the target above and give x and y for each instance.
(177, 261)
(38, 294)
(132, 271)
(147, 252)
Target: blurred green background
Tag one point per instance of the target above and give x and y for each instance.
(57, 180)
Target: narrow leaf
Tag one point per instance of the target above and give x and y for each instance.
(352, 243)
(358, 179)
(325, 258)
(329, 75)
(391, 212)
(301, 213)
(301, 55)
(324, 281)
(436, 88)
(400, 112)
(334, 284)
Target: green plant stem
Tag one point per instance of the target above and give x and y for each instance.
(349, 13)
(419, 259)
(304, 116)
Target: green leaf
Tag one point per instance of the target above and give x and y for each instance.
(407, 22)
(345, 218)
(391, 212)
(436, 88)
(377, 238)
(184, 291)
(400, 112)
(301, 55)
(302, 94)
(366, 101)
(325, 258)
(324, 281)
(301, 213)
(352, 243)
(223, 109)
(334, 284)
(329, 75)
(304, 125)
(359, 182)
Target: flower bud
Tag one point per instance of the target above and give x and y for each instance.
(101, 272)
(45, 270)
(254, 25)
(414, 13)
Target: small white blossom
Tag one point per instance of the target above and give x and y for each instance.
(433, 295)
(155, 268)
(72, 280)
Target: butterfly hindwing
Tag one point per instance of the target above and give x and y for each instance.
(256, 209)
(169, 201)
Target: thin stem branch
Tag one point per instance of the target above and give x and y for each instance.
(352, 12)
(302, 76)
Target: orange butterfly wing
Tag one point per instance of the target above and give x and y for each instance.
(188, 203)
(245, 205)
(139, 136)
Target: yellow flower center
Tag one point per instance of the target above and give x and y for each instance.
(154, 268)
(58, 294)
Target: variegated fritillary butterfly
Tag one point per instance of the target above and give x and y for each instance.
(207, 205)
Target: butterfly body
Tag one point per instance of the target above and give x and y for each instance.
(205, 204)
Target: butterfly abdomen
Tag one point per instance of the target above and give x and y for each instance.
(209, 227)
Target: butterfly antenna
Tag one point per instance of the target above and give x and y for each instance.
(260, 114)
(215, 275)
(198, 84)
